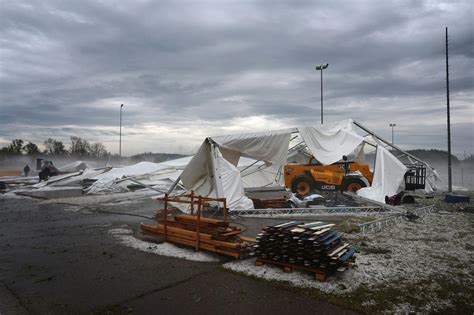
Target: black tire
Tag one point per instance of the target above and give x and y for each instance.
(302, 185)
(353, 184)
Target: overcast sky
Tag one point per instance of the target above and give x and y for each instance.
(190, 69)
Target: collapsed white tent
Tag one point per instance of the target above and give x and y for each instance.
(213, 170)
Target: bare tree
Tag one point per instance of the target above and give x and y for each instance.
(98, 150)
(54, 147)
(31, 149)
(79, 146)
(15, 147)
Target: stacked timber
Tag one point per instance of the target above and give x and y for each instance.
(313, 246)
(202, 233)
(270, 203)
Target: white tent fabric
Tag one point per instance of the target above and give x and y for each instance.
(433, 181)
(261, 175)
(327, 143)
(232, 185)
(388, 176)
(107, 182)
(268, 146)
(73, 167)
(197, 175)
(131, 170)
(330, 142)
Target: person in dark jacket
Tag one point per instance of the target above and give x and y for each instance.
(26, 169)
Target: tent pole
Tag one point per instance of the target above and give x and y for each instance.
(174, 185)
(390, 144)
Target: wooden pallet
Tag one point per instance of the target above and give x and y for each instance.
(197, 231)
(319, 274)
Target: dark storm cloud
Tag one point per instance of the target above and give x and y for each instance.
(69, 64)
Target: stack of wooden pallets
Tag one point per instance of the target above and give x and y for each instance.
(314, 247)
(199, 232)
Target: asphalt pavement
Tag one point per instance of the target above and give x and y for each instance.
(57, 261)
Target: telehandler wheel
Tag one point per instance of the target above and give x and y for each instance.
(302, 186)
(353, 184)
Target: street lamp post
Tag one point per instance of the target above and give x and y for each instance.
(392, 125)
(120, 134)
(321, 68)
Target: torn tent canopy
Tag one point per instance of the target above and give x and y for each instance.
(329, 143)
(388, 179)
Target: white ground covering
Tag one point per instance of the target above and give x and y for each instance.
(437, 246)
(165, 249)
(304, 280)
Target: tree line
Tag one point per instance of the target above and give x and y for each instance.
(78, 147)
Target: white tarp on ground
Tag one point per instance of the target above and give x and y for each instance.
(73, 167)
(330, 142)
(108, 182)
(388, 177)
(131, 170)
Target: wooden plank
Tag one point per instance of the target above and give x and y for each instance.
(233, 233)
(203, 229)
(190, 219)
(330, 225)
(321, 231)
(183, 241)
(337, 250)
(191, 235)
(248, 239)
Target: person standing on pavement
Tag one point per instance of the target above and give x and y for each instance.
(26, 169)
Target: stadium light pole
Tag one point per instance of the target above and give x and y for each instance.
(321, 68)
(450, 176)
(120, 134)
(392, 125)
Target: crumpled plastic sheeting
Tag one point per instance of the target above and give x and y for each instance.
(389, 177)
(106, 187)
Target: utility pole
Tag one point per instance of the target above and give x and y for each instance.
(120, 137)
(321, 68)
(450, 183)
(392, 125)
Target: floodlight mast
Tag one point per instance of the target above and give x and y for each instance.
(120, 133)
(392, 125)
(321, 68)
